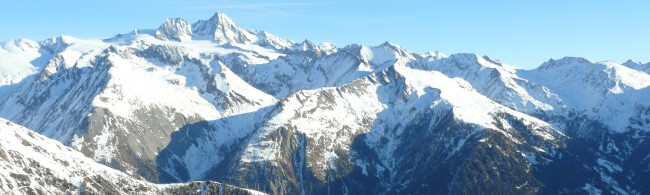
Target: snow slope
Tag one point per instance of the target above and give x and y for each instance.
(18, 59)
(34, 164)
(637, 65)
(605, 91)
(494, 79)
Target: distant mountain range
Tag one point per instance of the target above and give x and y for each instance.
(207, 102)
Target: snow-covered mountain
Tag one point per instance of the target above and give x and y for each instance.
(637, 65)
(34, 164)
(214, 101)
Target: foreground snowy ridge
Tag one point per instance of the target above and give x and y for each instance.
(214, 101)
(34, 164)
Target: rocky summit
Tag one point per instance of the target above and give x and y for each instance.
(211, 107)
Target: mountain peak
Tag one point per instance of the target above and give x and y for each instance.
(388, 44)
(632, 64)
(391, 46)
(222, 19)
(221, 29)
(564, 61)
(306, 45)
(176, 29)
(57, 44)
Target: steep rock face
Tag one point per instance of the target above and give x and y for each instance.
(33, 164)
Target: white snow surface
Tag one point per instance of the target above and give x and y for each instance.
(18, 59)
(605, 91)
(132, 87)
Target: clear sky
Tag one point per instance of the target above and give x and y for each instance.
(520, 33)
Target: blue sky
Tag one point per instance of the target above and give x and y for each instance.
(520, 33)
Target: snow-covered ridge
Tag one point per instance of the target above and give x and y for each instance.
(605, 91)
(493, 79)
(556, 88)
(34, 164)
(380, 105)
(636, 65)
(221, 29)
